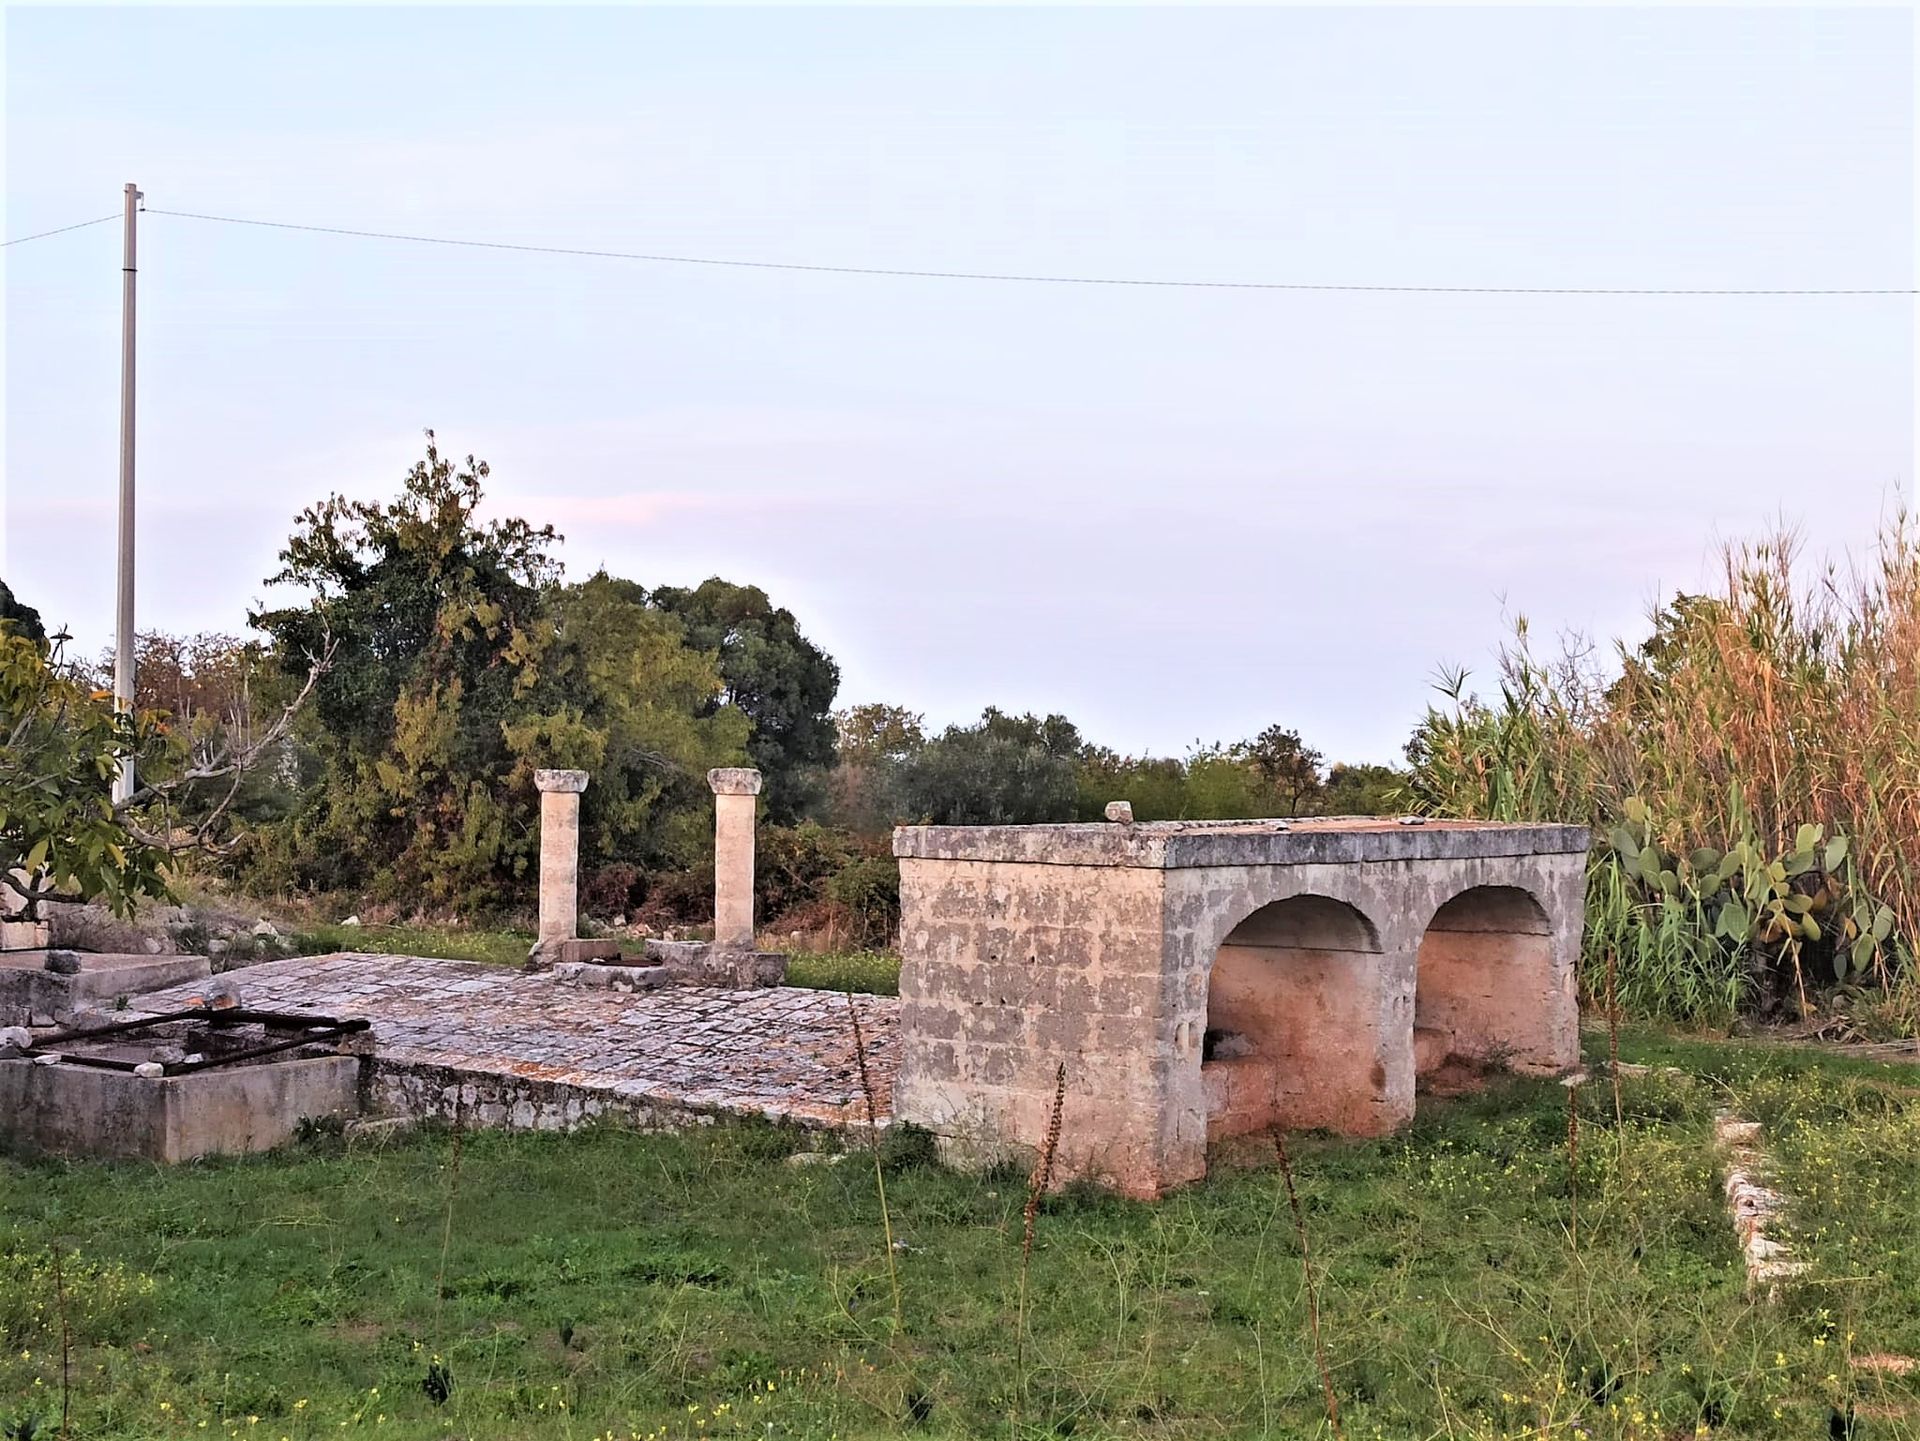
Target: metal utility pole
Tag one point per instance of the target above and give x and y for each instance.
(123, 622)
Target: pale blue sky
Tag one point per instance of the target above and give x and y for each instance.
(1170, 514)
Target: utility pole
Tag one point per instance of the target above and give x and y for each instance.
(123, 622)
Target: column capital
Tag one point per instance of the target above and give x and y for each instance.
(572, 781)
(734, 781)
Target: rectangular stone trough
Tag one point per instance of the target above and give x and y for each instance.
(72, 1110)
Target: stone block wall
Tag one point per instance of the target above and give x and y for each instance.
(1010, 970)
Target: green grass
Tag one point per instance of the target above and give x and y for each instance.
(698, 1285)
(450, 943)
(877, 972)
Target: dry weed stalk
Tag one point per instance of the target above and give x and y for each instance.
(1313, 1295)
(446, 1226)
(873, 1144)
(1037, 1184)
(1573, 1164)
(1613, 1040)
(66, 1344)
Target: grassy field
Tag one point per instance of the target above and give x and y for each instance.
(608, 1283)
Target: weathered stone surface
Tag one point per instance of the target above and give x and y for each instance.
(1175, 844)
(559, 853)
(30, 994)
(83, 1111)
(734, 789)
(526, 1050)
(1197, 981)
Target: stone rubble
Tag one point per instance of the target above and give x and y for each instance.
(1755, 1206)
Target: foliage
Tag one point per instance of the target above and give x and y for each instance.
(867, 892)
(792, 865)
(781, 681)
(1363, 789)
(462, 667)
(1005, 770)
(696, 1284)
(1289, 766)
(1750, 719)
(19, 617)
(58, 823)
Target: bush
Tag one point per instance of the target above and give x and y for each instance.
(866, 893)
(609, 891)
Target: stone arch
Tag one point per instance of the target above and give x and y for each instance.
(1486, 986)
(1293, 1004)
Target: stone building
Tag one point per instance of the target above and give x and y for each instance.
(1202, 980)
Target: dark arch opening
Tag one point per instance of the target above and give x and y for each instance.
(1484, 984)
(1293, 988)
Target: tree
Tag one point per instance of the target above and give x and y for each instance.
(1288, 765)
(1006, 770)
(463, 666)
(1364, 789)
(878, 732)
(783, 682)
(61, 836)
(19, 617)
(440, 632)
(633, 704)
(866, 791)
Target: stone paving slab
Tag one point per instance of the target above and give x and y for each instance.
(780, 1052)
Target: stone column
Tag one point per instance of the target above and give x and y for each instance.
(734, 789)
(559, 853)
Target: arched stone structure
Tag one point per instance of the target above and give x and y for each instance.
(1098, 947)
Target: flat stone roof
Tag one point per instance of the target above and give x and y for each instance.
(1165, 845)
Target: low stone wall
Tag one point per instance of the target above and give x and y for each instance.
(51, 988)
(517, 1103)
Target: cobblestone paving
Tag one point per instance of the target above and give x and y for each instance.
(780, 1052)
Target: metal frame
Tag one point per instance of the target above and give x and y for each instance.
(315, 1030)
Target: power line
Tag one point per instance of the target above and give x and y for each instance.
(42, 235)
(1015, 278)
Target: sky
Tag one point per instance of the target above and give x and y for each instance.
(1174, 515)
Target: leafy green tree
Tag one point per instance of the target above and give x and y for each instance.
(783, 682)
(866, 788)
(1289, 766)
(1006, 770)
(19, 617)
(1364, 789)
(438, 628)
(59, 826)
(631, 703)
(461, 666)
(878, 732)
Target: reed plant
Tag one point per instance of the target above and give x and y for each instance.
(1752, 771)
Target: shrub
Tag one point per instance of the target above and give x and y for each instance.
(866, 893)
(609, 890)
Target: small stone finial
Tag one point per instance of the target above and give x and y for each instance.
(1120, 812)
(734, 781)
(574, 781)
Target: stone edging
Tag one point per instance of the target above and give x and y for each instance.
(1755, 1206)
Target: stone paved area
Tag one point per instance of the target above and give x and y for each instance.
(780, 1052)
